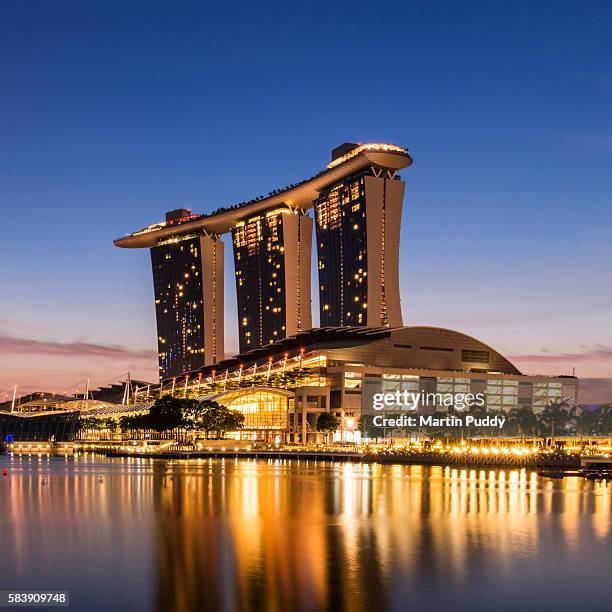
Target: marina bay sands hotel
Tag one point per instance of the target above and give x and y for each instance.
(357, 201)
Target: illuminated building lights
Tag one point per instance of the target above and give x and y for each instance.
(366, 147)
(263, 271)
(272, 250)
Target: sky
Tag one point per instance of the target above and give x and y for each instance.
(112, 113)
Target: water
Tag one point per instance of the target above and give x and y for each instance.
(284, 536)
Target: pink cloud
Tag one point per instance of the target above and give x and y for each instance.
(12, 345)
(598, 353)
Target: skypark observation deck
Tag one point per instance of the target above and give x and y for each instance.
(357, 203)
(297, 196)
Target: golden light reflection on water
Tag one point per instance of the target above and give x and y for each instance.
(252, 535)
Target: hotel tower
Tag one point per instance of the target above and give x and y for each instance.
(188, 287)
(358, 224)
(357, 201)
(272, 261)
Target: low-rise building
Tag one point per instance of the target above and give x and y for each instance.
(283, 387)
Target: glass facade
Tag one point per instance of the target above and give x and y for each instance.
(262, 409)
(59, 427)
(509, 394)
(177, 281)
(352, 380)
(340, 215)
(400, 382)
(499, 393)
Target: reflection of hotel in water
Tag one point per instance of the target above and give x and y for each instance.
(286, 546)
(295, 535)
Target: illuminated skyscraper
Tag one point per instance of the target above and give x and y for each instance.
(358, 224)
(358, 208)
(188, 285)
(272, 260)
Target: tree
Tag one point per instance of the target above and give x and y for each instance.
(587, 421)
(230, 421)
(554, 418)
(167, 412)
(212, 417)
(605, 412)
(596, 421)
(90, 422)
(134, 423)
(327, 422)
(172, 413)
(112, 424)
(205, 414)
(527, 421)
(290, 378)
(522, 421)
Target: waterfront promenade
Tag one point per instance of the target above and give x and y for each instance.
(552, 453)
(536, 460)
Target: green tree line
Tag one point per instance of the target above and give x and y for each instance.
(169, 413)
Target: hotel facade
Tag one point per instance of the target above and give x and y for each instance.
(188, 287)
(357, 201)
(272, 262)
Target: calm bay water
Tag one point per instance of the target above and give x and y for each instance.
(282, 536)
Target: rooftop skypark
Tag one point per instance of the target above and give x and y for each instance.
(295, 195)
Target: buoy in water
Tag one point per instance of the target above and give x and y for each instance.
(5, 472)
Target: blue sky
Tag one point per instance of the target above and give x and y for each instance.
(112, 113)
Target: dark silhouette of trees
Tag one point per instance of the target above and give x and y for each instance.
(169, 413)
(522, 421)
(217, 419)
(327, 422)
(110, 423)
(555, 418)
(594, 421)
(136, 422)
